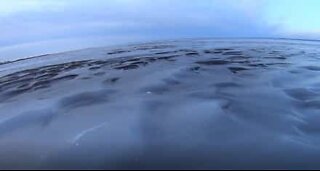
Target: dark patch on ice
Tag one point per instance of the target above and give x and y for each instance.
(153, 47)
(127, 67)
(85, 99)
(312, 68)
(203, 95)
(192, 54)
(237, 69)
(13, 93)
(258, 65)
(116, 52)
(134, 60)
(65, 78)
(213, 62)
(39, 87)
(188, 51)
(277, 57)
(169, 81)
(312, 104)
(85, 78)
(46, 73)
(46, 76)
(212, 51)
(302, 94)
(167, 58)
(13, 88)
(140, 63)
(195, 69)
(15, 83)
(224, 49)
(111, 81)
(166, 52)
(312, 127)
(14, 123)
(238, 58)
(99, 73)
(229, 53)
(94, 68)
(99, 63)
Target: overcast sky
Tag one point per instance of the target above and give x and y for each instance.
(34, 27)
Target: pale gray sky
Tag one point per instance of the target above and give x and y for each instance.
(34, 27)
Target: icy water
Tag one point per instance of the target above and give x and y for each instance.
(193, 104)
